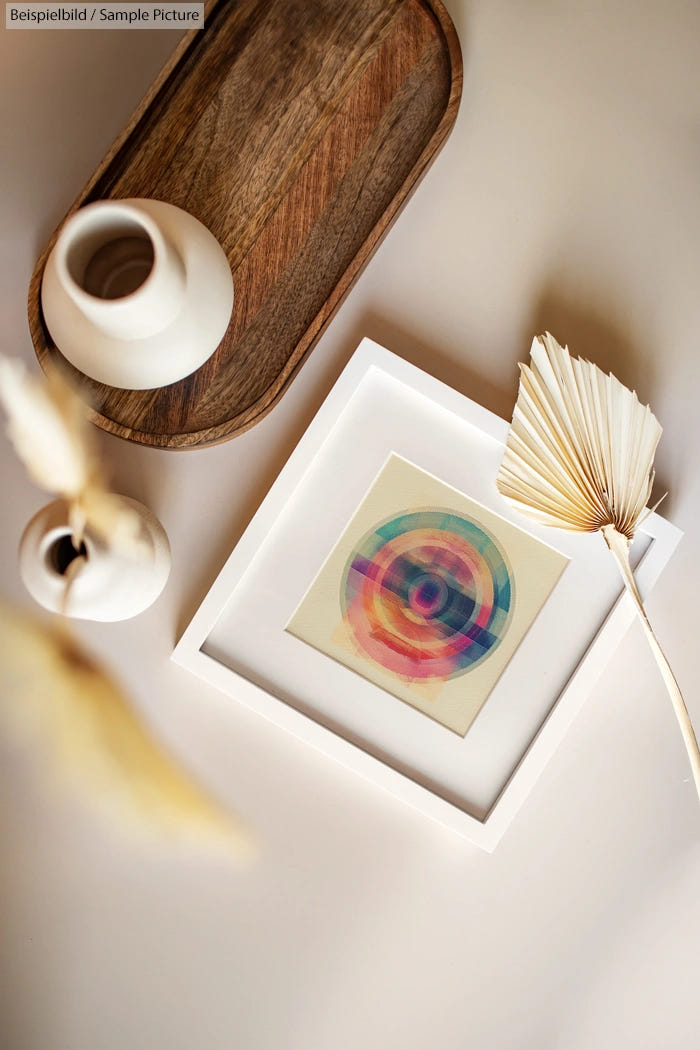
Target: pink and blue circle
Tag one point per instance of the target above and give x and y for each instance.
(427, 595)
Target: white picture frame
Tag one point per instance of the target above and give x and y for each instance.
(382, 405)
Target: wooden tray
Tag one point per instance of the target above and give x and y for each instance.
(295, 131)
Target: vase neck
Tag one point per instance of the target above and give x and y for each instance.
(120, 270)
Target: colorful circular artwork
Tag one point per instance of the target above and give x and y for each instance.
(427, 595)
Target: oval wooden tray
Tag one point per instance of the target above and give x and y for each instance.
(295, 131)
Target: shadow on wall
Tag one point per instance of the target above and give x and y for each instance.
(437, 362)
(597, 337)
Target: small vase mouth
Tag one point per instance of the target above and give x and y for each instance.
(108, 253)
(116, 267)
(120, 266)
(62, 552)
(89, 577)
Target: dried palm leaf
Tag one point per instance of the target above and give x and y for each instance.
(52, 693)
(579, 456)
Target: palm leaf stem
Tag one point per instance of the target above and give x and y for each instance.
(620, 547)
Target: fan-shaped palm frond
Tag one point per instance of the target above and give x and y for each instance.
(580, 456)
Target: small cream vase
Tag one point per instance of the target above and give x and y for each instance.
(110, 586)
(136, 293)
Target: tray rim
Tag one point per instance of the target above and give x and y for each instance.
(223, 431)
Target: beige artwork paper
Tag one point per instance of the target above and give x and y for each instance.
(427, 594)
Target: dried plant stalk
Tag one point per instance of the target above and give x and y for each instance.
(49, 688)
(46, 425)
(54, 696)
(579, 456)
(619, 545)
(51, 435)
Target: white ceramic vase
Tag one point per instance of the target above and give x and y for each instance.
(110, 585)
(136, 293)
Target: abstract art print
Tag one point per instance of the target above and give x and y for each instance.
(427, 594)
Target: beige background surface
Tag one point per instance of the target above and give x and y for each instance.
(566, 198)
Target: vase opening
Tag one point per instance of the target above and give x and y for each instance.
(62, 553)
(111, 260)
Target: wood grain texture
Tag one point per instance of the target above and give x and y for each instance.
(295, 132)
